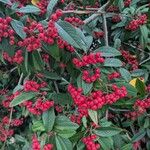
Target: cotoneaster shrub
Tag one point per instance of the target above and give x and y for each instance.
(74, 75)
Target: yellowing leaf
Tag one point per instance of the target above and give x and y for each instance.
(133, 81)
(34, 2)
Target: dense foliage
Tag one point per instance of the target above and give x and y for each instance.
(74, 74)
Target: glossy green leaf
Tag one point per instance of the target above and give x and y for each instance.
(107, 131)
(48, 118)
(18, 27)
(125, 74)
(29, 9)
(108, 51)
(112, 62)
(93, 115)
(22, 98)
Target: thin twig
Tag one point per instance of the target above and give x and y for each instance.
(105, 30)
(88, 20)
(56, 87)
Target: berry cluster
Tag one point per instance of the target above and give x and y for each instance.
(95, 100)
(48, 147)
(14, 122)
(39, 106)
(5, 133)
(42, 5)
(74, 21)
(116, 95)
(89, 141)
(31, 86)
(116, 18)
(136, 23)
(57, 15)
(87, 78)
(113, 75)
(17, 58)
(99, 34)
(35, 143)
(140, 107)
(112, 8)
(45, 58)
(127, 3)
(92, 58)
(6, 31)
(63, 44)
(130, 59)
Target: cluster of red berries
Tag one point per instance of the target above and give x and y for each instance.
(116, 18)
(17, 58)
(140, 107)
(48, 147)
(5, 133)
(56, 15)
(74, 21)
(136, 23)
(63, 44)
(6, 30)
(127, 3)
(8, 99)
(99, 34)
(58, 108)
(89, 79)
(95, 100)
(116, 95)
(89, 141)
(130, 59)
(113, 75)
(31, 86)
(112, 8)
(92, 58)
(42, 5)
(36, 144)
(45, 58)
(38, 107)
(14, 122)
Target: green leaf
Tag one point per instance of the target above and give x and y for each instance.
(69, 34)
(6, 1)
(108, 51)
(50, 7)
(64, 123)
(107, 131)
(51, 75)
(138, 136)
(85, 86)
(144, 31)
(125, 74)
(93, 116)
(106, 143)
(37, 61)
(127, 147)
(63, 144)
(48, 118)
(29, 9)
(22, 98)
(138, 72)
(53, 50)
(18, 27)
(61, 98)
(132, 91)
(38, 126)
(140, 86)
(84, 120)
(112, 62)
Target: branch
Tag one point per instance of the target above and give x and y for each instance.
(105, 30)
(88, 20)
